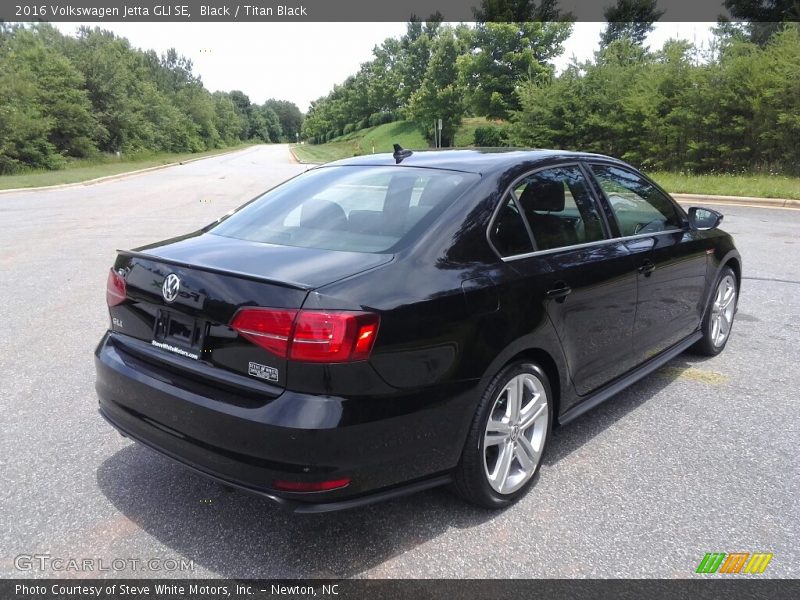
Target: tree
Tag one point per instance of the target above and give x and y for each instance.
(516, 11)
(242, 106)
(384, 76)
(264, 124)
(763, 18)
(289, 116)
(414, 57)
(504, 55)
(64, 97)
(228, 121)
(632, 19)
(59, 93)
(736, 110)
(439, 96)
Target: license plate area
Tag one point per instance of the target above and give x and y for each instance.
(179, 333)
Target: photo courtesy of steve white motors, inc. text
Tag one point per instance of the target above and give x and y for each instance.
(139, 590)
(181, 11)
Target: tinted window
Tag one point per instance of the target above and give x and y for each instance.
(638, 205)
(559, 208)
(508, 233)
(360, 209)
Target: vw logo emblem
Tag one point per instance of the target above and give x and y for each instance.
(171, 287)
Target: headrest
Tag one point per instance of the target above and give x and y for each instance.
(322, 214)
(543, 195)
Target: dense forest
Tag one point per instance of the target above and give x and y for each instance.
(730, 107)
(65, 97)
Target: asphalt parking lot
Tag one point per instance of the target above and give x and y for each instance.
(700, 457)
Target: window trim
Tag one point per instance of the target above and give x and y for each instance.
(509, 192)
(589, 244)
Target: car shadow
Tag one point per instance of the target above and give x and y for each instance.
(238, 535)
(575, 434)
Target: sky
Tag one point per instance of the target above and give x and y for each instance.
(302, 61)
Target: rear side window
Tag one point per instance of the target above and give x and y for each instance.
(559, 208)
(508, 233)
(356, 209)
(638, 205)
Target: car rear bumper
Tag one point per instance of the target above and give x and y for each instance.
(291, 437)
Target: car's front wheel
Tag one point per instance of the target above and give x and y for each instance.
(508, 437)
(718, 321)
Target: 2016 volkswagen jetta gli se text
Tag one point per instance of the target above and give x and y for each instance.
(389, 323)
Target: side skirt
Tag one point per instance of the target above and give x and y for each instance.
(632, 377)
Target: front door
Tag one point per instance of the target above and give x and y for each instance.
(669, 256)
(585, 281)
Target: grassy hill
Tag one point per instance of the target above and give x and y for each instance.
(380, 139)
(407, 135)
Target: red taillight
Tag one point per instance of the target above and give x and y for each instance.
(115, 288)
(309, 335)
(269, 328)
(311, 486)
(333, 336)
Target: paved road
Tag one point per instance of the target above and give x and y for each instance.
(700, 457)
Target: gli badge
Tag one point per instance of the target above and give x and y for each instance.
(171, 287)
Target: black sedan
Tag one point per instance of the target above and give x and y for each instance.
(390, 323)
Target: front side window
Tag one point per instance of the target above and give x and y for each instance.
(638, 205)
(559, 208)
(355, 209)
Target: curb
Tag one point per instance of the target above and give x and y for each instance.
(744, 200)
(106, 178)
(303, 162)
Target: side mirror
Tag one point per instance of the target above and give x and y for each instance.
(704, 218)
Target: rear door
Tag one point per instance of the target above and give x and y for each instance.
(670, 258)
(586, 281)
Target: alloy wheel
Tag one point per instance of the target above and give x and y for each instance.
(515, 433)
(722, 310)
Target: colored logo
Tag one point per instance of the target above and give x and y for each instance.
(735, 562)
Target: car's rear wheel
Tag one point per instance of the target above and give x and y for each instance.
(721, 310)
(508, 437)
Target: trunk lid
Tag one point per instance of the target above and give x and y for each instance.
(304, 268)
(212, 277)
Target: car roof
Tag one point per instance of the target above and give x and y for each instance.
(477, 160)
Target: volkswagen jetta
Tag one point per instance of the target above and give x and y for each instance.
(389, 323)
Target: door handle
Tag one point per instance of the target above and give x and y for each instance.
(559, 293)
(648, 266)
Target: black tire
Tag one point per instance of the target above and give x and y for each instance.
(706, 345)
(471, 480)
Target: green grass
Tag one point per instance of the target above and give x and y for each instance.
(365, 141)
(323, 153)
(408, 136)
(380, 139)
(755, 185)
(86, 169)
(465, 136)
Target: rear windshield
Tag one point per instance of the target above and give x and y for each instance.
(357, 209)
